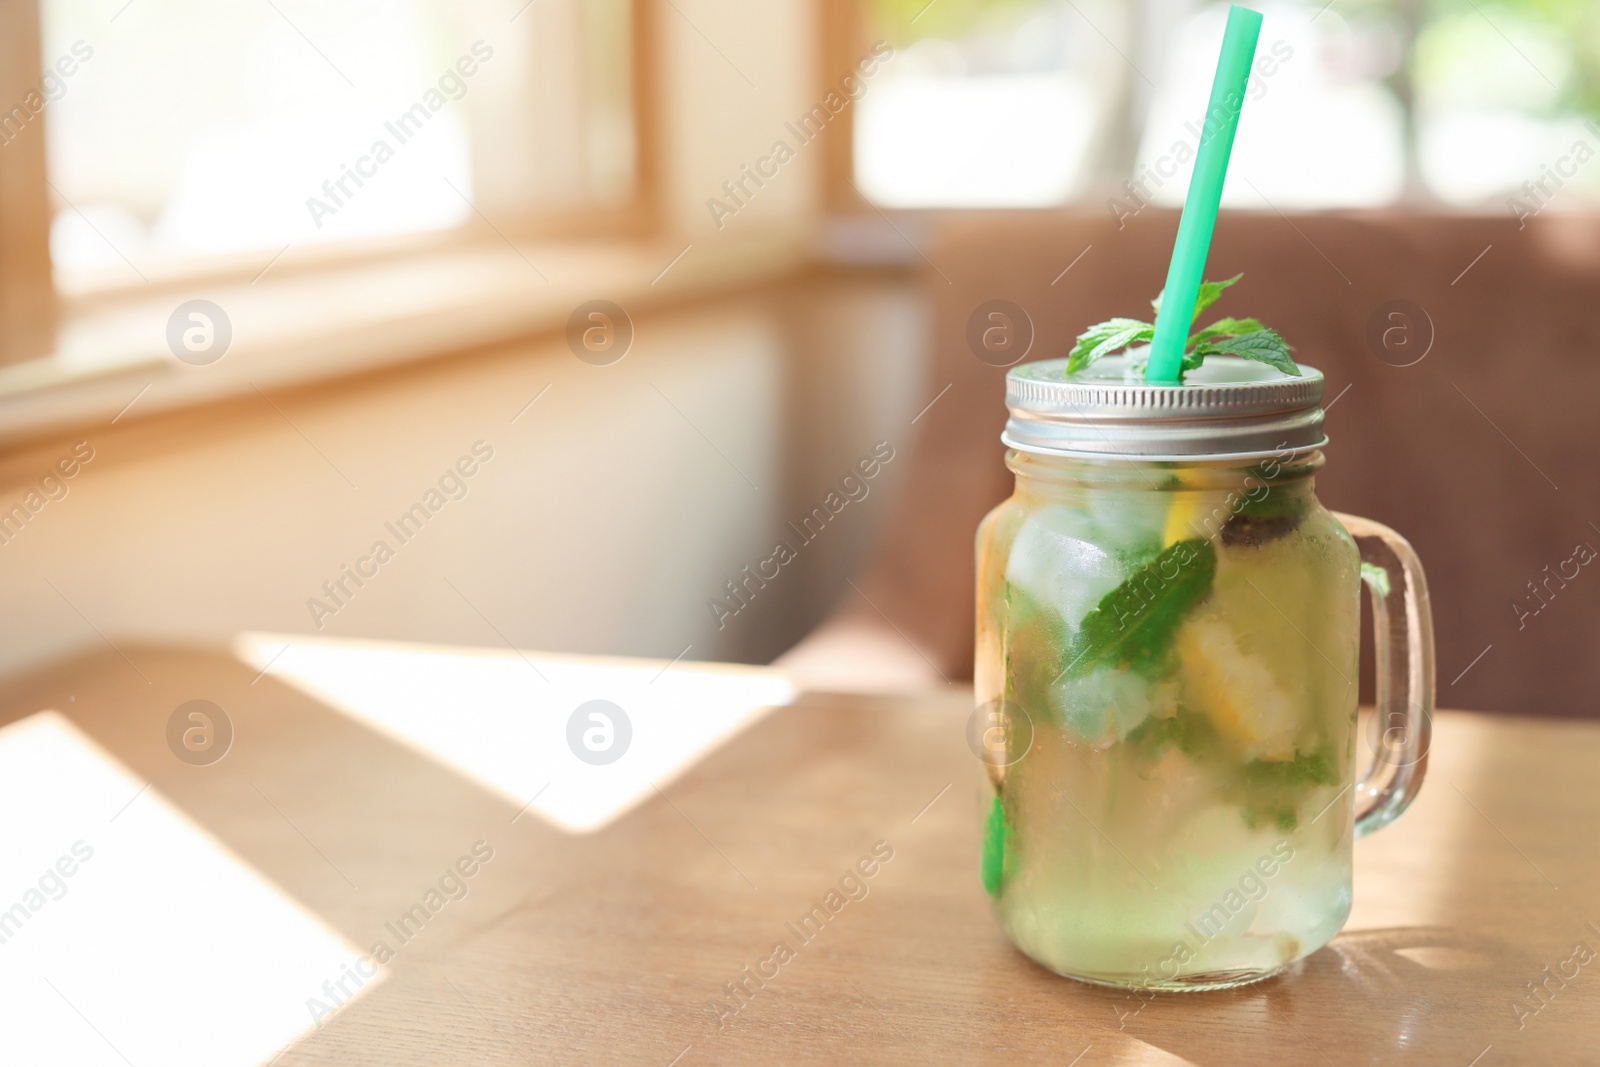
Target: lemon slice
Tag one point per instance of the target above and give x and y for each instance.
(1194, 514)
(1236, 691)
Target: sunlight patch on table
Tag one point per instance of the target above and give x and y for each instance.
(127, 933)
(502, 718)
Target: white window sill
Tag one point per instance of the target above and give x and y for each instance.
(112, 361)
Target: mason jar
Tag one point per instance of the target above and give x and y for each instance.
(1167, 677)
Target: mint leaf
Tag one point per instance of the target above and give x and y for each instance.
(1196, 355)
(1263, 346)
(1106, 338)
(1247, 338)
(992, 862)
(1209, 292)
(1226, 328)
(1256, 522)
(1306, 769)
(1276, 790)
(1189, 732)
(1132, 626)
(1376, 578)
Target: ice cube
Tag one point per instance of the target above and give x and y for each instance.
(1129, 522)
(1055, 561)
(1102, 708)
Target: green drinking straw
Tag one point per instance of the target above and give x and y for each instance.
(1205, 194)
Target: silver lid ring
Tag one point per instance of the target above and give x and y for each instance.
(1228, 408)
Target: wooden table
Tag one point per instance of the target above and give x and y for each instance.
(614, 947)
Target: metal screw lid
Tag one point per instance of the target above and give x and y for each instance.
(1230, 408)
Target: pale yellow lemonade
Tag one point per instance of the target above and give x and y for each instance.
(1182, 639)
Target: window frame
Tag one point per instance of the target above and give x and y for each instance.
(843, 32)
(33, 304)
(28, 310)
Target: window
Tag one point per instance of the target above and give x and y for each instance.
(1355, 103)
(185, 134)
(1005, 103)
(1504, 98)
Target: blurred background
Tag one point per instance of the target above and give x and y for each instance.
(678, 266)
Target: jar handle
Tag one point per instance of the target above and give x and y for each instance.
(1403, 640)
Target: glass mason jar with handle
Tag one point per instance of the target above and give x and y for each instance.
(1167, 643)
